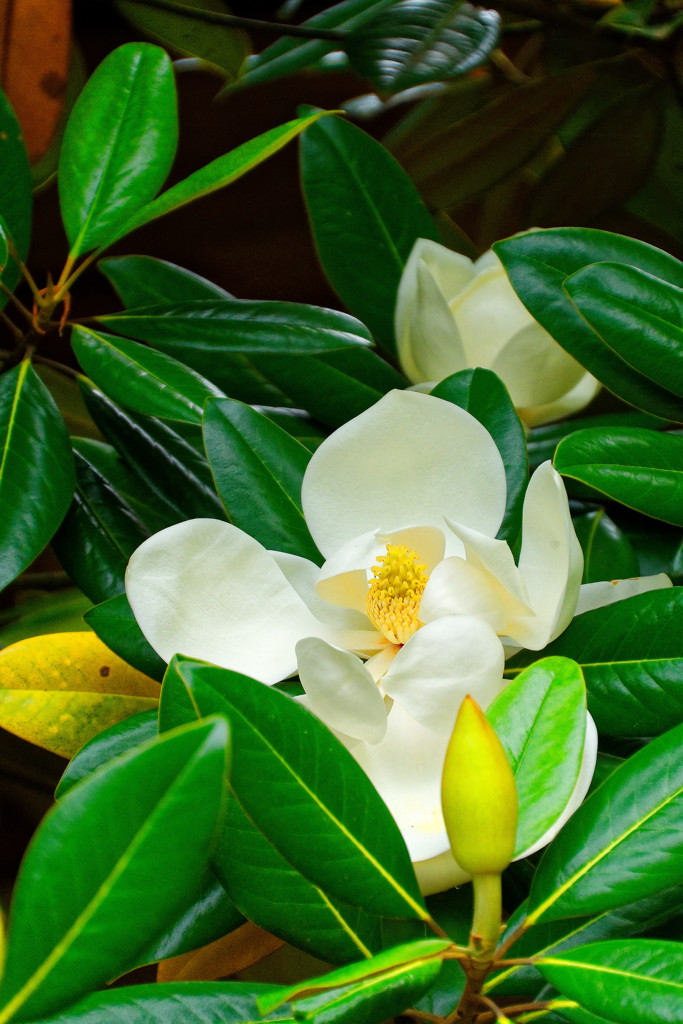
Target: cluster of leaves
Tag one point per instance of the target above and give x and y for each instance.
(210, 405)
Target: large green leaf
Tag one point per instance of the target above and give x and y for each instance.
(118, 145)
(605, 856)
(258, 468)
(634, 982)
(484, 395)
(465, 159)
(217, 174)
(117, 627)
(105, 842)
(542, 441)
(36, 469)
(327, 821)
(117, 739)
(238, 327)
(540, 718)
(637, 315)
(185, 1002)
(640, 468)
(98, 535)
(147, 281)
(171, 465)
(607, 552)
(16, 191)
(538, 263)
(220, 45)
(631, 657)
(411, 44)
(366, 216)
(140, 378)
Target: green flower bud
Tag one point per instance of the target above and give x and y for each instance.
(478, 795)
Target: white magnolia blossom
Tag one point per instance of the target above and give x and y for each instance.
(407, 613)
(452, 313)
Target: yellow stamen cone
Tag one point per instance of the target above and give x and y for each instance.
(478, 795)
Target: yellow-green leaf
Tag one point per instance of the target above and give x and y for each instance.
(60, 690)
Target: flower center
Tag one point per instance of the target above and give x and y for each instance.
(393, 600)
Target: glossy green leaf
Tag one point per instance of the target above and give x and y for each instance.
(47, 612)
(239, 326)
(465, 159)
(258, 469)
(542, 441)
(16, 190)
(136, 808)
(98, 535)
(548, 938)
(36, 469)
(607, 552)
(538, 263)
(171, 465)
(481, 393)
(540, 718)
(140, 378)
(269, 890)
(411, 44)
(220, 45)
(393, 968)
(631, 658)
(185, 1002)
(350, 846)
(627, 136)
(642, 469)
(602, 858)
(637, 315)
(147, 281)
(640, 980)
(109, 464)
(118, 739)
(217, 174)
(118, 145)
(117, 627)
(364, 252)
(288, 54)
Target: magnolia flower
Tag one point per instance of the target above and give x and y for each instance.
(452, 313)
(407, 613)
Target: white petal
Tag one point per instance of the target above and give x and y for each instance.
(427, 339)
(411, 458)
(343, 579)
(303, 576)
(458, 588)
(341, 692)
(439, 873)
(406, 770)
(550, 562)
(495, 558)
(488, 313)
(440, 664)
(534, 368)
(597, 595)
(205, 589)
(579, 397)
(590, 754)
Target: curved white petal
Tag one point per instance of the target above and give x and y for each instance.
(495, 558)
(597, 595)
(550, 562)
(343, 579)
(406, 770)
(440, 664)
(534, 368)
(303, 576)
(588, 759)
(487, 313)
(427, 340)
(205, 589)
(578, 398)
(410, 458)
(341, 691)
(439, 873)
(457, 587)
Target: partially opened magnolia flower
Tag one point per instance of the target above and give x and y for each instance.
(407, 613)
(452, 313)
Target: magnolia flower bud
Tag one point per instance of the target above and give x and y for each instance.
(478, 795)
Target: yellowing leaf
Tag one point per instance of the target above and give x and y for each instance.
(240, 949)
(60, 690)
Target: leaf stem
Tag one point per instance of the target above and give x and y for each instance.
(235, 21)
